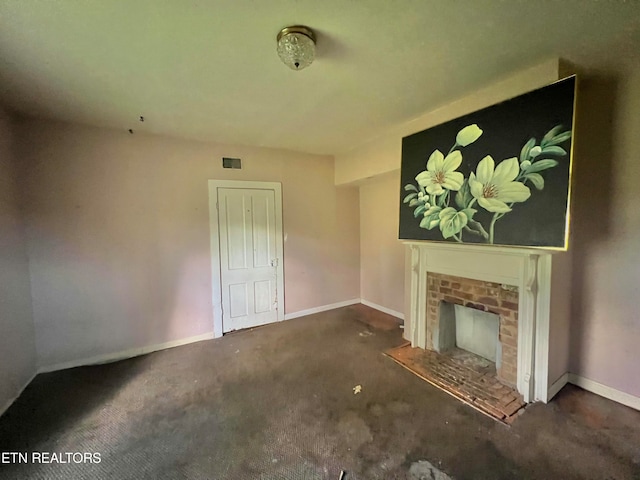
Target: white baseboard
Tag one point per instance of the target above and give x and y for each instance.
(115, 356)
(604, 391)
(9, 402)
(323, 308)
(557, 386)
(386, 310)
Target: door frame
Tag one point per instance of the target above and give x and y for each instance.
(214, 236)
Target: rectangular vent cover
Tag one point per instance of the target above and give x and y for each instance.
(231, 162)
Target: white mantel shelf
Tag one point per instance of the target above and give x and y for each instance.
(530, 269)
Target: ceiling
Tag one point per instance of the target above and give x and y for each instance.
(209, 70)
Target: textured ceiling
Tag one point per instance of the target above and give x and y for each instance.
(209, 69)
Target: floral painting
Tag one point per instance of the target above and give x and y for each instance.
(498, 176)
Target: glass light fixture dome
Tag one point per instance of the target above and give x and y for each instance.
(296, 46)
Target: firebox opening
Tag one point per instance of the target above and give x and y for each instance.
(469, 329)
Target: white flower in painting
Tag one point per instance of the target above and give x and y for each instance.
(494, 188)
(441, 174)
(468, 135)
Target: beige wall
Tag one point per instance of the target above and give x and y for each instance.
(381, 254)
(17, 338)
(118, 235)
(605, 241)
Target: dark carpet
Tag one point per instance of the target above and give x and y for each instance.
(278, 402)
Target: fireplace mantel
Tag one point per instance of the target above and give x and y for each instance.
(543, 306)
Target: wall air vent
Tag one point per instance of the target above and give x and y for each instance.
(231, 162)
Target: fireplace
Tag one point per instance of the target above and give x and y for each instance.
(518, 286)
(449, 323)
(474, 331)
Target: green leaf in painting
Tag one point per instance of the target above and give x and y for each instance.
(524, 153)
(409, 197)
(469, 212)
(463, 197)
(541, 165)
(536, 179)
(419, 211)
(451, 222)
(414, 202)
(433, 211)
(408, 187)
(558, 139)
(550, 134)
(554, 150)
(431, 218)
(428, 223)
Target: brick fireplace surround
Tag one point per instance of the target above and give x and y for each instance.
(528, 288)
(491, 297)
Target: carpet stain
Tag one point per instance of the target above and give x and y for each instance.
(354, 430)
(423, 470)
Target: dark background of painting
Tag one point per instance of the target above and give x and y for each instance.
(507, 126)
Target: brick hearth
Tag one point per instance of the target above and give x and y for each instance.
(487, 296)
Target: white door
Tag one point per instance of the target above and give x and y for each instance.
(249, 257)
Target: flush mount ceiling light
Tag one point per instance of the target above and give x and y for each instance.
(296, 46)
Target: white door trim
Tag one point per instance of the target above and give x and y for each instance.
(216, 292)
